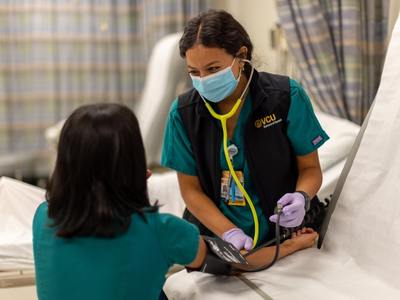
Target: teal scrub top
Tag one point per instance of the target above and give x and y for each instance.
(130, 266)
(303, 130)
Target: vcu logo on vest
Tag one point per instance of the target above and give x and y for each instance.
(267, 121)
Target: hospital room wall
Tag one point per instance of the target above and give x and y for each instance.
(394, 10)
(259, 17)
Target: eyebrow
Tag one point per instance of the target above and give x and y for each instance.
(209, 64)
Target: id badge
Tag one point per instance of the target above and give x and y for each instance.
(230, 192)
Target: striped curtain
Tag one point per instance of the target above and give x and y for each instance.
(58, 54)
(339, 46)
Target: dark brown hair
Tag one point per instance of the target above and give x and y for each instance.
(99, 179)
(216, 28)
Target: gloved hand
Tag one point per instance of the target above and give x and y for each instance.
(238, 238)
(293, 211)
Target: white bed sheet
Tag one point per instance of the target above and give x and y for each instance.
(310, 274)
(342, 134)
(18, 203)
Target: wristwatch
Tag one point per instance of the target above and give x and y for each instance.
(307, 200)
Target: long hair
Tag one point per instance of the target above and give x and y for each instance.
(219, 29)
(99, 179)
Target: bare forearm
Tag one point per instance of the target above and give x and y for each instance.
(301, 239)
(201, 254)
(207, 213)
(310, 174)
(309, 180)
(265, 255)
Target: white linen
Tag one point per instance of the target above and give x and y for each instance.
(333, 154)
(368, 211)
(342, 134)
(164, 189)
(18, 203)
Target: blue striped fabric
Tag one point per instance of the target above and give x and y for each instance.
(56, 55)
(339, 47)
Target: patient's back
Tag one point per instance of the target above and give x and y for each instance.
(130, 266)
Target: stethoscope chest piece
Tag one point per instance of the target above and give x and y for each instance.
(232, 150)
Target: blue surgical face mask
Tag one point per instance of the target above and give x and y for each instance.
(216, 87)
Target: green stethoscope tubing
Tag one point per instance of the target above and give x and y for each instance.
(223, 118)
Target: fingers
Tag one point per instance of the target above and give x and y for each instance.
(291, 208)
(305, 231)
(148, 173)
(283, 218)
(313, 238)
(289, 221)
(285, 200)
(273, 218)
(238, 244)
(248, 244)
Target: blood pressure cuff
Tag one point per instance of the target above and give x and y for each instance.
(220, 257)
(316, 214)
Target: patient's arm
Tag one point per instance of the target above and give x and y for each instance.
(201, 254)
(301, 239)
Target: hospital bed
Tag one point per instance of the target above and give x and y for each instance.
(19, 200)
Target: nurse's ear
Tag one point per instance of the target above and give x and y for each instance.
(242, 54)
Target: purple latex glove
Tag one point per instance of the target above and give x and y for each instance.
(293, 211)
(238, 238)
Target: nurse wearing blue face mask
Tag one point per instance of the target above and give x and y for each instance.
(218, 86)
(241, 141)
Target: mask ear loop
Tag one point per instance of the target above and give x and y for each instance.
(223, 119)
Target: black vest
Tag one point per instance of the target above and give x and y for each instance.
(269, 154)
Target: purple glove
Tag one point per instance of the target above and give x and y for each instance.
(238, 238)
(293, 211)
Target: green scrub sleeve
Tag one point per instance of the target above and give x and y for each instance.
(304, 130)
(178, 238)
(177, 150)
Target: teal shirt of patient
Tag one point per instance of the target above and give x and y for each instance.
(130, 266)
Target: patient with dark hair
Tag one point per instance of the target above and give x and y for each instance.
(97, 236)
